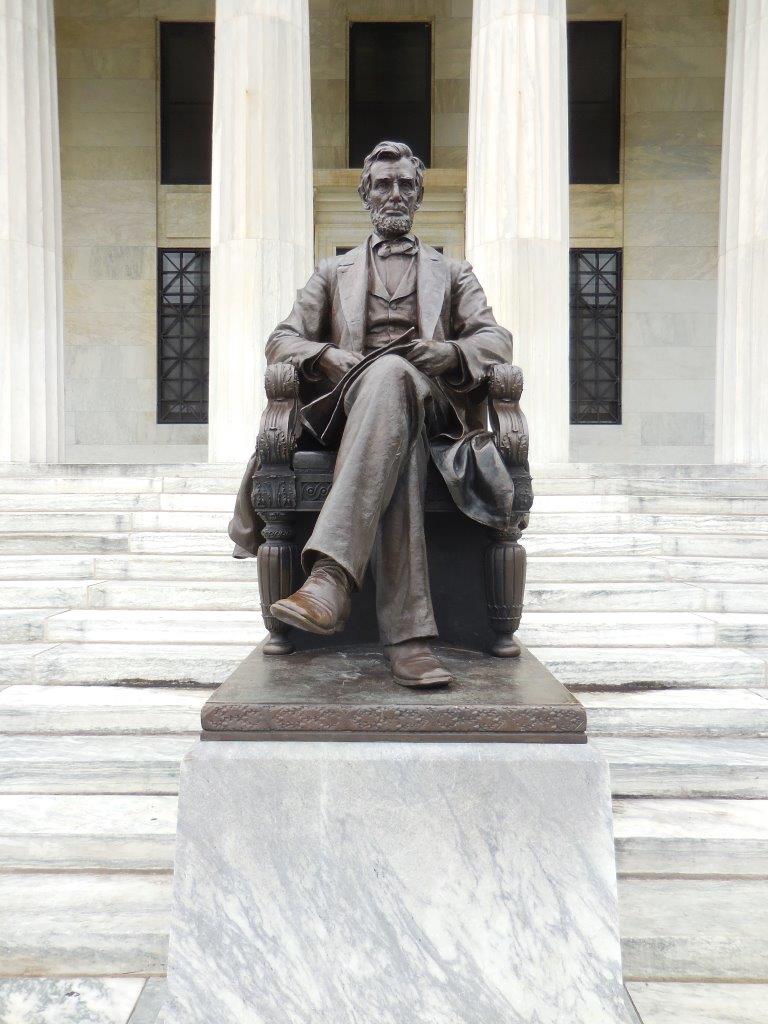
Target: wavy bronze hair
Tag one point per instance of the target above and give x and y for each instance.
(390, 151)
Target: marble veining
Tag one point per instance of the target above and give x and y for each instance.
(353, 883)
(67, 1001)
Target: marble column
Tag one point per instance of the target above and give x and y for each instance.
(261, 203)
(517, 197)
(31, 324)
(741, 415)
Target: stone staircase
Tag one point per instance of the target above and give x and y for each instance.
(120, 608)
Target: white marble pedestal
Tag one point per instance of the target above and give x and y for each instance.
(394, 883)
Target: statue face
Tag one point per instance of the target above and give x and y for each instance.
(394, 197)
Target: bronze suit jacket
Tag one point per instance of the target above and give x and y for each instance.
(331, 309)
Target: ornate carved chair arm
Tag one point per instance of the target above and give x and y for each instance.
(508, 422)
(279, 427)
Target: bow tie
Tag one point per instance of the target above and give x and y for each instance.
(400, 247)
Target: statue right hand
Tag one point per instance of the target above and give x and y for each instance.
(335, 362)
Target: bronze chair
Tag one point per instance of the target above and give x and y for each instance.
(474, 608)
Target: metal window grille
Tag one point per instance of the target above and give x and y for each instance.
(182, 335)
(595, 336)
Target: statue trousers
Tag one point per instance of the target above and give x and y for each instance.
(375, 508)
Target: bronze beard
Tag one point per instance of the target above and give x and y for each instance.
(389, 226)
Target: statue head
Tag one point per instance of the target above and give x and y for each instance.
(392, 187)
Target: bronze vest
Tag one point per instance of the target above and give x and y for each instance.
(387, 316)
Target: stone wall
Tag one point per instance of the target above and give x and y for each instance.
(451, 40)
(112, 225)
(673, 101)
(664, 213)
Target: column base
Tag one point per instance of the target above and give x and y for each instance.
(394, 883)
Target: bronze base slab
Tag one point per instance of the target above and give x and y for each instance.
(348, 694)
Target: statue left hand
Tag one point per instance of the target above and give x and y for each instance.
(433, 358)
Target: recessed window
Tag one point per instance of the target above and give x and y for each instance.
(186, 102)
(182, 335)
(595, 336)
(594, 101)
(390, 87)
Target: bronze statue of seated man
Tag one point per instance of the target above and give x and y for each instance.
(399, 411)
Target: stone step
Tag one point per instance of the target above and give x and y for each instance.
(44, 593)
(28, 544)
(661, 1002)
(694, 929)
(543, 502)
(183, 543)
(741, 630)
(245, 627)
(242, 595)
(17, 661)
(103, 924)
(87, 833)
(690, 837)
(201, 543)
(586, 471)
(607, 569)
(222, 568)
(102, 1000)
(573, 523)
(100, 484)
(205, 595)
(203, 478)
(19, 625)
(91, 764)
(539, 629)
(721, 571)
(670, 713)
(41, 505)
(84, 924)
(630, 667)
(68, 522)
(43, 567)
(209, 664)
(654, 596)
(186, 627)
(658, 767)
(100, 710)
(541, 568)
(611, 629)
(135, 664)
(40, 832)
(640, 767)
(206, 470)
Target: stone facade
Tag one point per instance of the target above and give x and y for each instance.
(665, 216)
(664, 213)
(115, 215)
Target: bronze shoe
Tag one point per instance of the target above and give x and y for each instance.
(414, 664)
(322, 604)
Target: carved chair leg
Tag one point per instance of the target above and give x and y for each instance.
(276, 562)
(504, 589)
